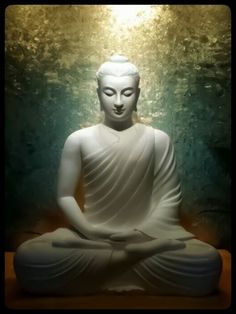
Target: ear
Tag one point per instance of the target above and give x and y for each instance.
(138, 93)
(99, 98)
(137, 97)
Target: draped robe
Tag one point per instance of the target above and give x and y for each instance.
(130, 183)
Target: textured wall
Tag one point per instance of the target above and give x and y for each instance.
(52, 54)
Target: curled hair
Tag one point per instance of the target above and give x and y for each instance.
(118, 66)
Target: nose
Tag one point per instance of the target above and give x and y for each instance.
(118, 103)
(118, 106)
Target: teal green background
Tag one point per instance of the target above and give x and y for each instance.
(52, 55)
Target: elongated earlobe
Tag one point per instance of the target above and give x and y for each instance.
(138, 93)
(98, 93)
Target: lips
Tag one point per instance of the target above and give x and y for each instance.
(118, 112)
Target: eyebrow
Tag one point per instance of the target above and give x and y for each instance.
(128, 88)
(107, 87)
(123, 90)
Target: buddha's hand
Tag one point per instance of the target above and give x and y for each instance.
(72, 242)
(69, 238)
(99, 233)
(132, 236)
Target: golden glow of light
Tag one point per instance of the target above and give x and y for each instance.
(131, 15)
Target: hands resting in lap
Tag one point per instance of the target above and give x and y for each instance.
(133, 241)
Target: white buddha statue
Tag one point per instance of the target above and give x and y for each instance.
(128, 236)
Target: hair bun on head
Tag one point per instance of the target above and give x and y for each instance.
(118, 65)
(118, 58)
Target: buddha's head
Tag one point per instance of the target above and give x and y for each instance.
(118, 88)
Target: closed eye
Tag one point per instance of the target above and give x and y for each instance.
(128, 92)
(108, 92)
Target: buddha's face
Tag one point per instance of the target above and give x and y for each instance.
(118, 96)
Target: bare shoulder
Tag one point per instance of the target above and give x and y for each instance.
(75, 139)
(82, 134)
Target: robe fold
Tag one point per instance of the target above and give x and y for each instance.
(127, 187)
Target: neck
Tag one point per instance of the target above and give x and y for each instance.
(118, 125)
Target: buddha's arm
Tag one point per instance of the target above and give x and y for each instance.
(69, 175)
(166, 195)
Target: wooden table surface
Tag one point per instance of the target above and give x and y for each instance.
(16, 298)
